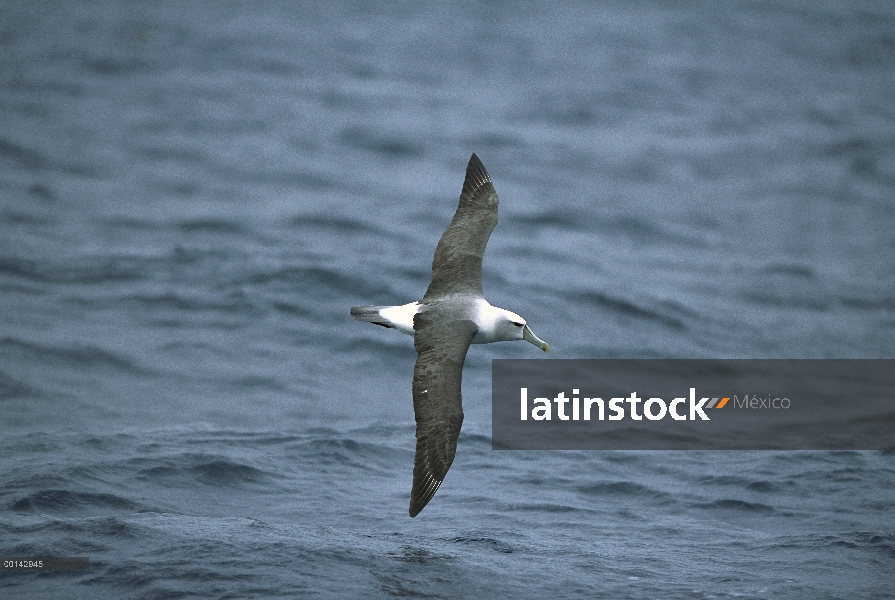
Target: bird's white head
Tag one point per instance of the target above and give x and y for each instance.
(509, 326)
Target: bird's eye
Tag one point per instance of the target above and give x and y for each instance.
(517, 324)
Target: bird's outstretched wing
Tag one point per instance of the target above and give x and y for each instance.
(457, 266)
(441, 344)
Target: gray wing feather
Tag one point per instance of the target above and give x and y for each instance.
(457, 266)
(437, 401)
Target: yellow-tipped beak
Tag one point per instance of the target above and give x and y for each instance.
(529, 336)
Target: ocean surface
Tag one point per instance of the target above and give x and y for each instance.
(193, 195)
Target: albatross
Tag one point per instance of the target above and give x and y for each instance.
(452, 315)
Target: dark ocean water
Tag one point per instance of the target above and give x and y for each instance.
(192, 196)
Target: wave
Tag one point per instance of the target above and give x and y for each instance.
(80, 355)
(736, 506)
(86, 270)
(26, 158)
(11, 387)
(627, 308)
(626, 489)
(391, 145)
(63, 501)
(484, 542)
(762, 486)
(188, 469)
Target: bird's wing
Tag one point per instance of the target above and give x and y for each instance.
(457, 266)
(441, 344)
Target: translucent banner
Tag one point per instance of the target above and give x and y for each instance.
(670, 404)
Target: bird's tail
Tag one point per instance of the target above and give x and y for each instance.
(369, 314)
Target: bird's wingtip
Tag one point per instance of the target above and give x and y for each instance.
(475, 162)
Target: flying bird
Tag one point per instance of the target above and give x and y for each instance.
(452, 315)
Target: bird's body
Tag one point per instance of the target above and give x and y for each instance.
(452, 315)
(489, 319)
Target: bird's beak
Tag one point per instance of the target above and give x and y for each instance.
(529, 336)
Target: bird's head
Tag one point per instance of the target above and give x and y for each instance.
(513, 327)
